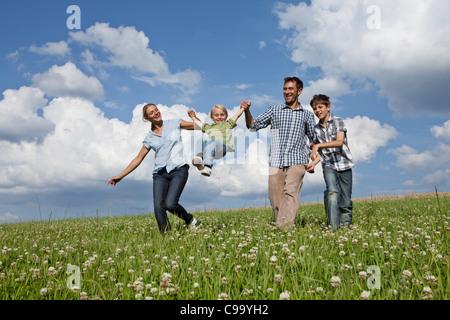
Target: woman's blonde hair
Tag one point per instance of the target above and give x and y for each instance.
(221, 107)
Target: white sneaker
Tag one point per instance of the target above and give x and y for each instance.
(206, 171)
(198, 162)
(194, 224)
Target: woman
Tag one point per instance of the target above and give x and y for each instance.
(171, 169)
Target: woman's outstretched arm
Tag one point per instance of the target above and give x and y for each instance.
(133, 165)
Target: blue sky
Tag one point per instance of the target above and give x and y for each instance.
(71, 98)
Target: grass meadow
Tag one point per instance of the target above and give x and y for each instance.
(395, 250)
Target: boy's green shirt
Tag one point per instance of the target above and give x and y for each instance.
(222, 131)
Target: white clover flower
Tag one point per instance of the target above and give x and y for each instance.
(83, 296)
(43, 291)
(166, 278)
(277, 278)
(427, 293)
(286, 295)
(223, 296)
(406, 274)
(365, 295)
(335, 281)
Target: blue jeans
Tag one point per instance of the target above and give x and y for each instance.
(167, 188)
(338, 197)
(213, 149)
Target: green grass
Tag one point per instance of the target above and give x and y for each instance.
(238, 254)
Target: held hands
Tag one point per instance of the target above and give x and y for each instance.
(310, 167)
(245, 104)
(191, 113)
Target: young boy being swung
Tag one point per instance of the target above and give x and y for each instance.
(220, 138)
(331, 148)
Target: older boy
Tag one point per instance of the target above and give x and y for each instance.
(337, 162)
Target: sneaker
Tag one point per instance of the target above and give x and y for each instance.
(206, 171)
(198, 162)
(194, 224)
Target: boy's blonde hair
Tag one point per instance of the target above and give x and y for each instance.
(221, 107)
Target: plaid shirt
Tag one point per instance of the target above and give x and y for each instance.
(288, 129)
(338, 158)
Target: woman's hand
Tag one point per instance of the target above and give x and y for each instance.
(114, 180)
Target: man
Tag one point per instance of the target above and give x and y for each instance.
(290, 125)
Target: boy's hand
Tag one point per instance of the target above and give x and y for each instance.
(314, 151)
(310, 167)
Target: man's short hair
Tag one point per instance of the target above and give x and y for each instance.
(297, 81)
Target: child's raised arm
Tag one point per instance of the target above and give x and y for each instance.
(238, 114)
(198, 123)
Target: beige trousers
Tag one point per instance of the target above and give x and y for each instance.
(285, 185)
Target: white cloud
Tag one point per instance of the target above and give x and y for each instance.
(8, 217)
(129, 49)
(435, 160)
(52, 48)
(68, 80)
(262, 100)
(438, 177)
(83, 148)
(365, 136)
(243, 86)
(442, 132)
(19, 115)
(331, 86)
(408, 56)
(411, 160)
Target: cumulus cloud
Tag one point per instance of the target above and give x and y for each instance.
(20, 119)
(366, 136)
(8, 217)
(442, 132)
(407, 55)
(129, 49)
(68, 80)
(60, 48)
(436, 159)
(332, 86)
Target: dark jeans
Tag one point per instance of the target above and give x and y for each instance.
(338, 197)
(167, 188)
